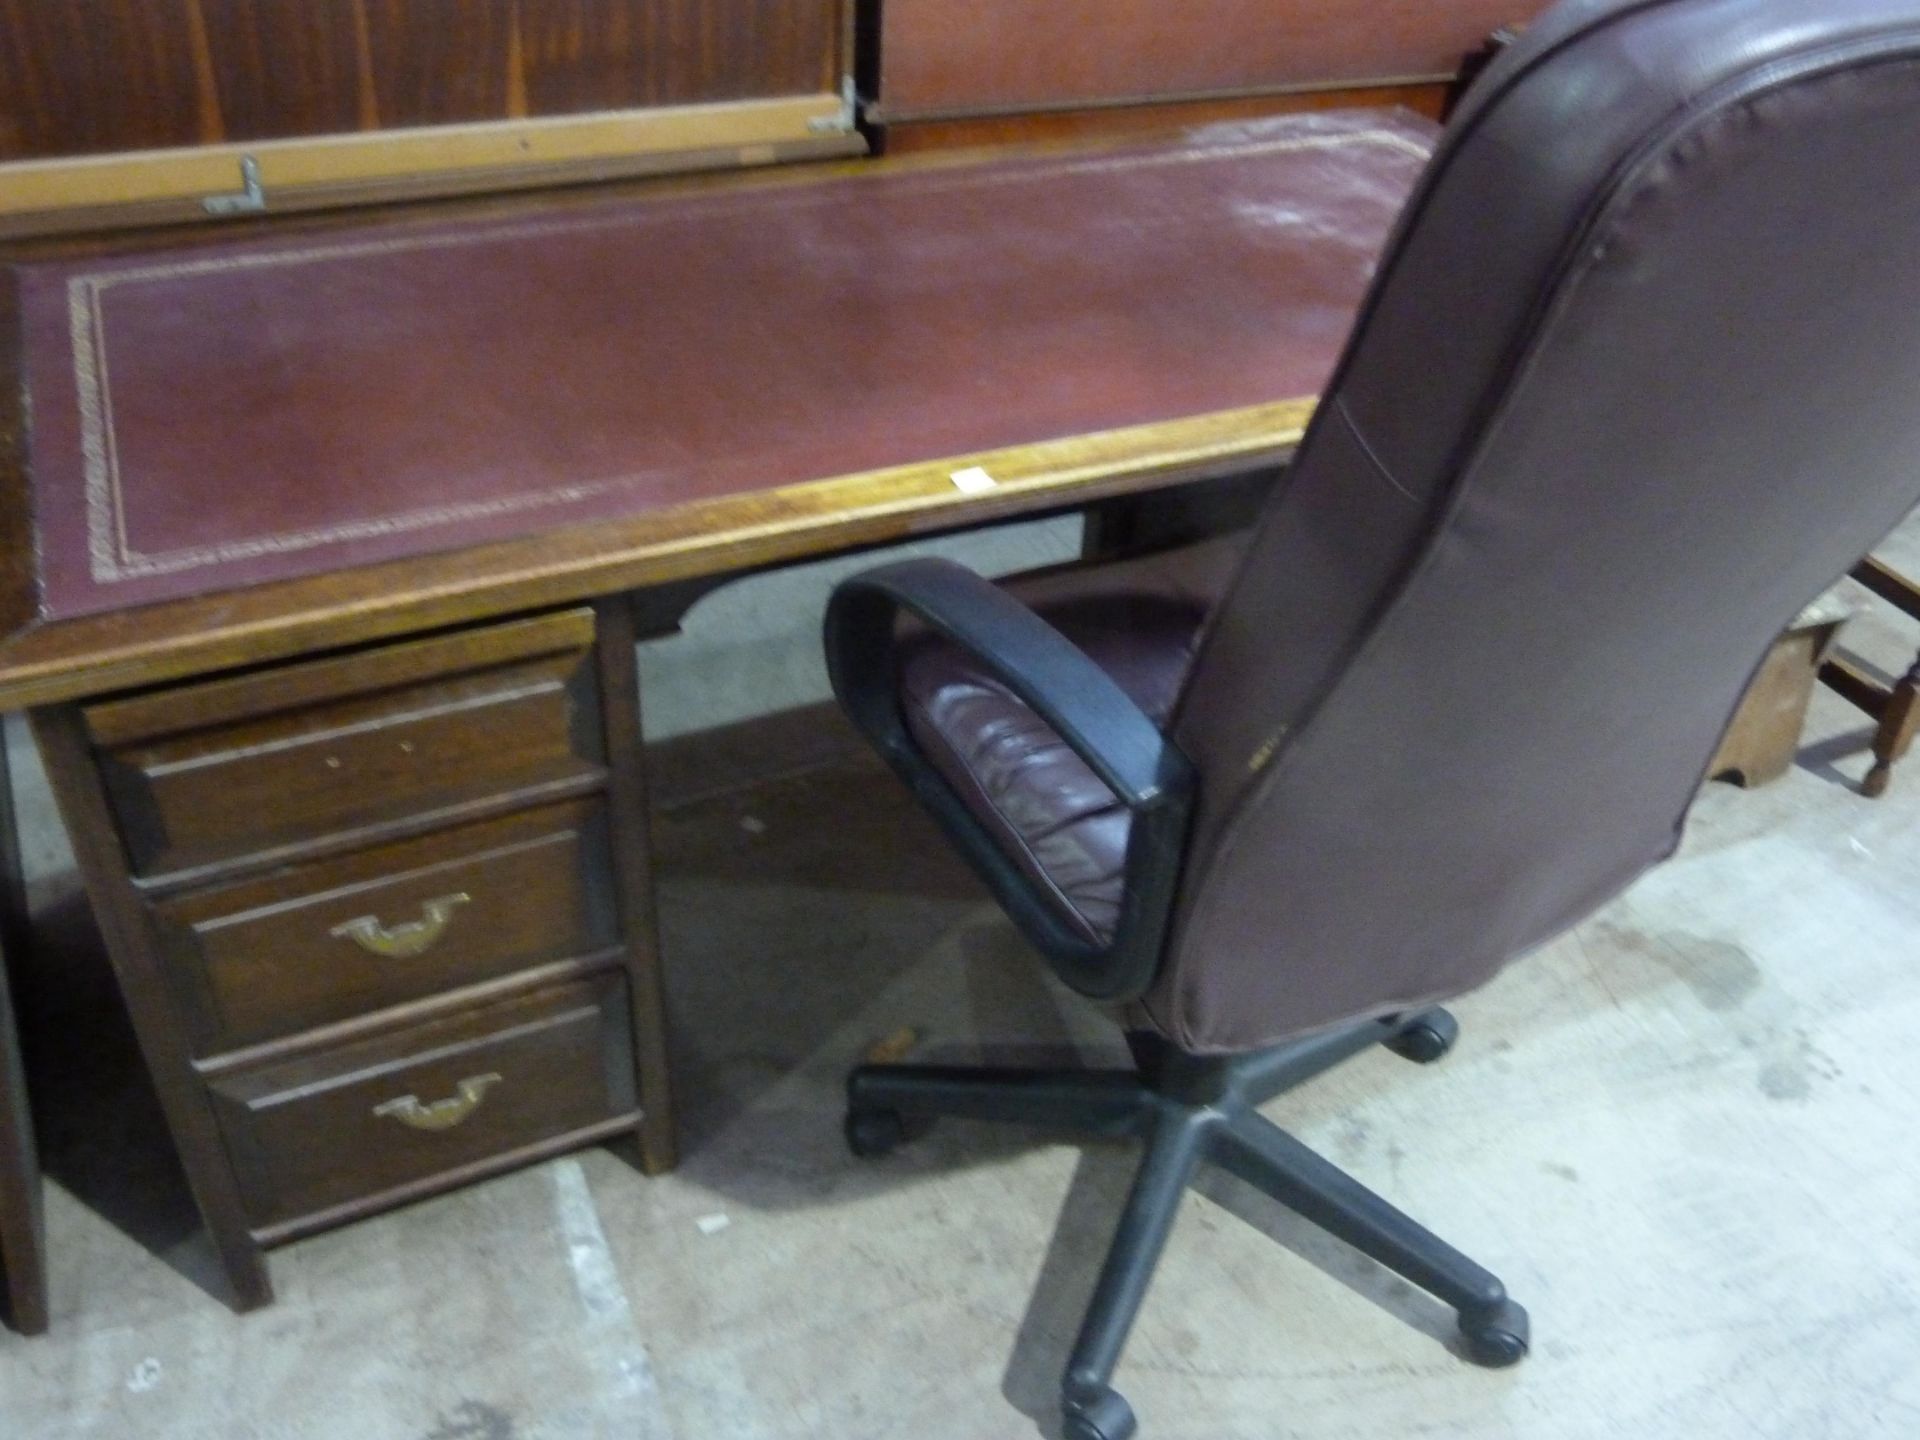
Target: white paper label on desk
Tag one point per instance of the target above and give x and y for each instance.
(973, 480)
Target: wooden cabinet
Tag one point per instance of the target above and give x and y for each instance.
(381, 917)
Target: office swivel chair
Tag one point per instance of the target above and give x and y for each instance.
(1634, 383)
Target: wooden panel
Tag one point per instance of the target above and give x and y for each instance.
(116, 75)
(441, 64)
(157, 714)
(258, 763)
(124, 112)
(340, 938)
(938, 58)
(112, 75)
(314, 1134)
(1113, 122)
(267, 69)
(633, 881)
(603, 54)
(173, 186)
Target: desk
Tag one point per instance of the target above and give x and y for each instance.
(325, 552)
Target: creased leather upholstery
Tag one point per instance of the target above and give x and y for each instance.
(1138, 620)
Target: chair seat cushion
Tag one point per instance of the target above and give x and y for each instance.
(1139, 621)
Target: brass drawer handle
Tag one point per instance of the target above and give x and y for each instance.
(441, 1114)
(411, 937)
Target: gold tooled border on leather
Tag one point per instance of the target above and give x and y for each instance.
(112, 557)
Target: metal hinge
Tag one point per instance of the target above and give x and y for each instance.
(842, 123)
(251, 198)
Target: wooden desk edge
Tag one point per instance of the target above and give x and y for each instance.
(44, 662)
(48, 661)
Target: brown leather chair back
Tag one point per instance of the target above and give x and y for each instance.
(1639, 377)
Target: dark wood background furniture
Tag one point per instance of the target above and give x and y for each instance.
(1894, 708)
(126, 110)
(933, 73)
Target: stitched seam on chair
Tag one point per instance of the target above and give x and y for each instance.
(1366, 448)
(1511, 370)
(1562, 275)
(1552, 304)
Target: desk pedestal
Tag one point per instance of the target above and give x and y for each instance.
(382, 918)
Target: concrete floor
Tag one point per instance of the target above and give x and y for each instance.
(1682, 1134)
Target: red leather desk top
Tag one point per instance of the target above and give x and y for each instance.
(262, 410)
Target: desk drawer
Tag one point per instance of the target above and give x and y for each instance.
(351, 1126)
(342, 937)
(268, 760)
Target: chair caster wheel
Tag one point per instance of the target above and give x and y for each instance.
(1426, 1037)
(873, 1133)
(1101, 1415)
(1498, 1338)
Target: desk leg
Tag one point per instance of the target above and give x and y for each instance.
(23, 1249)
(1161, 519)
(633, 865)
(61, 736)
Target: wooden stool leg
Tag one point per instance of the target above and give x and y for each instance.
(1899, 723)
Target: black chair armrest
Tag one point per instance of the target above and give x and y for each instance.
(1090, 712)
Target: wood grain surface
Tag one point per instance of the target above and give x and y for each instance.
(119, 75)
(938, 59)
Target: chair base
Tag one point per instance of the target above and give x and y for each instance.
(1190, 1109)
